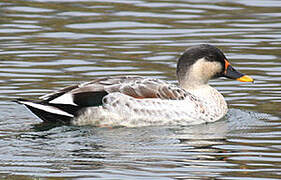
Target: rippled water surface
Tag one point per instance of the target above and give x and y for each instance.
(45, 45)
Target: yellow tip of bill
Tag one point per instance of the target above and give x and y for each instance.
(245, 78)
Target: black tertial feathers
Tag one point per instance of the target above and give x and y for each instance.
(86, 99)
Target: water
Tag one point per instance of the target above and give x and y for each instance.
(46, 45)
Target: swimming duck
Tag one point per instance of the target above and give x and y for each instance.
(138, 101)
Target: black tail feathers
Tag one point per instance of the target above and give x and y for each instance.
(55, 113)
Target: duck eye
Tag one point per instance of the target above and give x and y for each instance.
(210, 57)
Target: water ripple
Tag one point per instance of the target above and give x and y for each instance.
(46, 45)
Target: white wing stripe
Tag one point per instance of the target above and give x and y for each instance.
(47, 108)
(64, 99)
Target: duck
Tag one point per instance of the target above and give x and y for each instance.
(134, 101)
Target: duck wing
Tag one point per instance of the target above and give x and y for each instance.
(91, 93)
(66, 103)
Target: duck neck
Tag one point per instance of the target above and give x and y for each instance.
(193, 83)
(205, 92)
(198, 89)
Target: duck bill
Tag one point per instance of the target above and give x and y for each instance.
(232, 73)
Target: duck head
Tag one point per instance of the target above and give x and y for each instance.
(198, 64)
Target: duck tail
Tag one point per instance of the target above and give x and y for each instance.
(49, 112)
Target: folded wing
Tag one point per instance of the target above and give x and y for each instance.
(65, 103)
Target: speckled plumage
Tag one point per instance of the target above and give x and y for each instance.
(122, 110)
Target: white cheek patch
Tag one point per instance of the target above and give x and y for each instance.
(64, 99)
(206, 69)
(212, 68)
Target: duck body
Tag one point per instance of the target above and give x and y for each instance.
(137, 101)
(170, 105)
